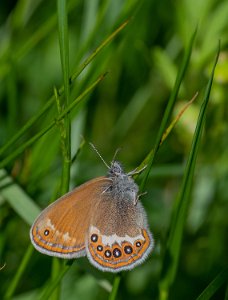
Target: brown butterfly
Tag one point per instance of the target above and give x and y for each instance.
(102, 219)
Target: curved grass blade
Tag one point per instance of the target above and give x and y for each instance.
(166, 133)
(170, 261)
(98, 49)
(170, 106)
(176, 119)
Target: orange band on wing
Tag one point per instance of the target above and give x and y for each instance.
(119, 256)
(55, 245)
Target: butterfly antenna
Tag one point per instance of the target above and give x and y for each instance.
(95, 149)
(115, 154)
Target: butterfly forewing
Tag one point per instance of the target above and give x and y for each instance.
(61, 228)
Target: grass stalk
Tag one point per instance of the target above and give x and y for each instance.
(169, 107)
(65, 130)
(171, 257)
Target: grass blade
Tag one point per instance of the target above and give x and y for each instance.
(50, 286)
(20, 149)
(51, 100)
(18, 199)
(171, 257)
(65, 129)
(115, 287)
(170, 106)
(214, 285)
(20, 271)
(66, 132)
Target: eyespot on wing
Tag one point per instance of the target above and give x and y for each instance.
(120, 253)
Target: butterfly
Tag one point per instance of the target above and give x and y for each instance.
(102, 219)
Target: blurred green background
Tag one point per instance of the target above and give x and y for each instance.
(124, 110)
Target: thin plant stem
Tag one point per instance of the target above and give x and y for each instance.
(20, 271)
(115, 287)
(65, 129)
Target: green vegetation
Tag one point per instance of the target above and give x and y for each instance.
(117, 74)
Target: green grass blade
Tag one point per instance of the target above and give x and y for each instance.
(27, 126)
(115, 287)
(20, 149)
(64, 53)
(98, 49)
(18, 199)
(170, 106)
(214, 285)
(50, 286)
(65, 130)
(20, 271)
(166, 133)
(51, 100)
(171, 257)
(40, 34)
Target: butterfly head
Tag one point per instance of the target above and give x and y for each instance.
(115, 169)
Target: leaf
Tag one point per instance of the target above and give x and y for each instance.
(23, 205)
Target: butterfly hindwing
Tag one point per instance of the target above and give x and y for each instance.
(118, 238)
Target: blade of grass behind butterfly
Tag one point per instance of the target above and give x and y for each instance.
(170, 261)
(169, 106)
(64, 124)
(51, 100)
